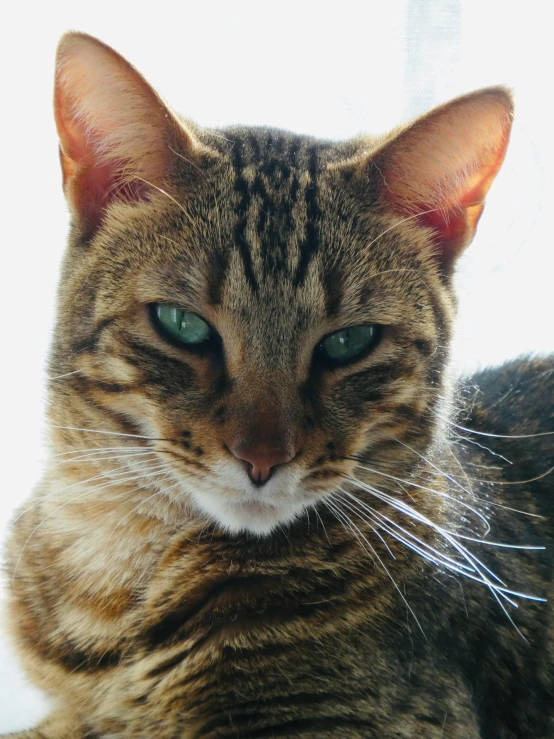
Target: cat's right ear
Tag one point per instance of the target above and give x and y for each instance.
(117, 137)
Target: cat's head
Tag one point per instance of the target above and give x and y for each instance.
(270, 310)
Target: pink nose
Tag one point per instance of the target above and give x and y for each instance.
(261, 460)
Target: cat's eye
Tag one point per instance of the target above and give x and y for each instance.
(348, 343)
(181, 325)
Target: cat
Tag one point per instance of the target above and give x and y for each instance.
(268, 510)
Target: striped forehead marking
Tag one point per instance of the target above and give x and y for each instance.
(274, 175)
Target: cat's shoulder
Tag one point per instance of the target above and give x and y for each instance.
(515, 398)
(508, 417)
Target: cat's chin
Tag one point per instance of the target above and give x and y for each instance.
(251, 516)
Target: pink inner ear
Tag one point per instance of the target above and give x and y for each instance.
(91, 187)
(91, 184)
(112, 126)
(440, 168)
(456, 220)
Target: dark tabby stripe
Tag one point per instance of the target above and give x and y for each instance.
(90, 343)
(311, 725)
(241, 187)
(311, 244)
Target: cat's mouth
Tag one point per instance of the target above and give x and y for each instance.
(248, 514)
(256, 508)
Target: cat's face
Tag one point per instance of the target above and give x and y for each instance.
(265, 308)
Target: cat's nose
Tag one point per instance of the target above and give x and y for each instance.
(261, 459)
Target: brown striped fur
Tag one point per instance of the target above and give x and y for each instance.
(154, 591)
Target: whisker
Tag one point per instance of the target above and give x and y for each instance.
(139, 504)
(105, 458)
(403, 507)
(512, 482)
(372, 553)
(488, 543)
(106, 474)
(434, 466)
(164, 192)
(368, 521)
(476, 564)
(322, 524)
(440, 493)
(486, 448)
(490, 435)
(437, 557)
(108, 433)
(99, 449)
(61, 377)
(401, 221)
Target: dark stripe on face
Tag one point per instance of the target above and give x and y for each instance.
(241, 187)
(89, 383)
(219, 261)
(310, 245)
(332, 283)
(159, 369)
(90, 343)
(424, 347)
(274, 181)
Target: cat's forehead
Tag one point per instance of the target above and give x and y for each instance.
(281, 221)
(275, 151)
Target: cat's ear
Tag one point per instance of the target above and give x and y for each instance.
(116, 135)
(440, 167)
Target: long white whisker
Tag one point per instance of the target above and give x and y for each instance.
(382, 520)
(368, 521)
(139, 504)
(486, 448)
(476, 564)
(492, 436)
(105, 458)
(426, 489)
(322, 524)
(108, 433)
(371, 551)
(434, 466)
(60, 377)
(438, 557)
(403, 507)
(400, 222)
(113, 478)
(164, 192)
(100, 449)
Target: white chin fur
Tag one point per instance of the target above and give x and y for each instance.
(248, 516)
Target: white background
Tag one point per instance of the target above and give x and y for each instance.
(332, 71)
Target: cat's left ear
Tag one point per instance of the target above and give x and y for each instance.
(439, 168)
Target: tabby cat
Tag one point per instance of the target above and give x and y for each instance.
(267, 511)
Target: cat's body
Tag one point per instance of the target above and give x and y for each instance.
(156, 591)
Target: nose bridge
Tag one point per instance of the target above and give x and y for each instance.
(267, 406)
(264, 430)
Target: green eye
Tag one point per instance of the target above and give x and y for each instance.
(348, 343)
(188, 328)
